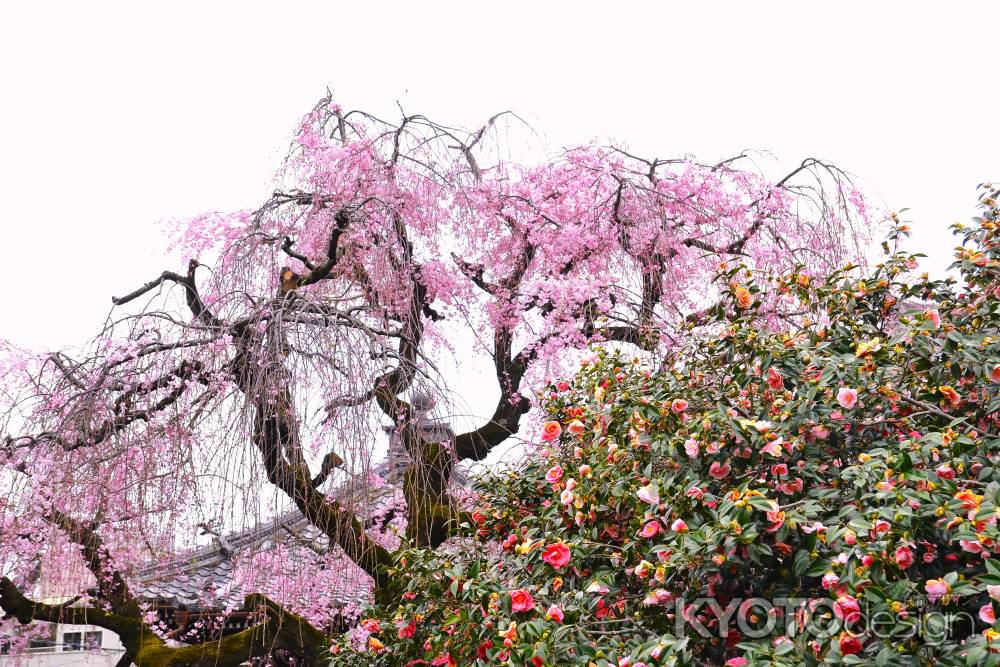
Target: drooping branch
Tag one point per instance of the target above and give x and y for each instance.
(125, 415)
(275, 434)
(110, 583)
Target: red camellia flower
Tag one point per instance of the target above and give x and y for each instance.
(551, 431)
(482, 651)
(847, 609)
(850, 644)
(774, 380)
(371, 625)
(904, 557)
(679, 405)
(408, 630)
(556, 554)
(521, 600)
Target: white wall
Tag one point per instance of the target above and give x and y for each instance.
(107, 655)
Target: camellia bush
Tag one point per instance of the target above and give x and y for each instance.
(816, 488)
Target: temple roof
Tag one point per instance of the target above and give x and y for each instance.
(210, 572)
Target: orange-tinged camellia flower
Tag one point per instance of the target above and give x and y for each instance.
(995, 373)
(554, 474)
(954, 399)
(509, 635)
(868, 347)
(969, 499)
(744, 299)
(555, 613)
(551, 430)
(375, 645)
(576, 427)
(936, 589)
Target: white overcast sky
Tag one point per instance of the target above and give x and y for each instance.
(116, 116)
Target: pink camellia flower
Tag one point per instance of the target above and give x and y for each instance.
(679, 405)
(562, 385)
(847, 397)
(945, 471)
(521, 600)
(847, 609)
(819, 432)
(736, 662)
(867, 560)
(986, 614)
(550, 431)
(597, 587)
(814, 527)
(829, 580)
(576, 427)
(371, 625)
(691, 447)
(881, 526)
(762, 426)
(695, 492)
(972, 546)
(851, 538)
(719, 470)
(649, 494)
(650, 529)
(679, 526)
(567, 497)
(776, 519)
(658, 596)
(556, 554)
(994, 591)
(934, 317)
(779, 470)
(774, 379)
(773, 448)
(555, 613)
(554, 474)
(936, 589)
(585, 469)
(995, 373)
(904, 556)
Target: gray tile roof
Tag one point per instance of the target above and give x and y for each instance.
(207, 575)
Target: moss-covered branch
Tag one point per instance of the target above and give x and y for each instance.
(278, 629)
